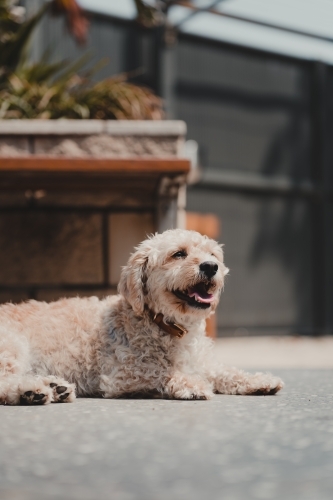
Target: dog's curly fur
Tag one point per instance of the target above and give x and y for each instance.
(112, 347)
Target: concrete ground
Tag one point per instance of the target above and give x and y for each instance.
(276, 352)
(229, 448)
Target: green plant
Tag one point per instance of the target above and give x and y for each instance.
(14, 36)
(48, 91)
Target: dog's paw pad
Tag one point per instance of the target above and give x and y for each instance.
(33, 398)
(62, 393)
(63, 397)
(61, 388)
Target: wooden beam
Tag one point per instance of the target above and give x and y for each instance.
(47, 164)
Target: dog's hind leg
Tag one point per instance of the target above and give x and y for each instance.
(234, 381)
(24, 390)
(17, 384)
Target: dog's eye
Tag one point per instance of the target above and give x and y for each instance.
(180, 254)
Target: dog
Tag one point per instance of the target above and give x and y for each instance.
(149, 339)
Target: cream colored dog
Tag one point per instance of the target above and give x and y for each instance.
(150, 337)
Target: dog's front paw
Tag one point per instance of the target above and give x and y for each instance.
(188, 387)
(192, 393)
(35, 398)
(63, 391)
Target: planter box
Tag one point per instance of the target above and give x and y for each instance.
(77, 196)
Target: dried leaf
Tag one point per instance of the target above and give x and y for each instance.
(77, 21)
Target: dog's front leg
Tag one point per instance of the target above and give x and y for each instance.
(234, 381)
(184, 386)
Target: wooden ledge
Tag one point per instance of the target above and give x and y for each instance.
(53, 165)
(89, 173)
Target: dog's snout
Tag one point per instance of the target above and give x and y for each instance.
(209, 268)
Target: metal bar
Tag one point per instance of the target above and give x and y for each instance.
(105, 248)
(196, 10)
(257, 22)
(257, 184)
(319, 158)
(244, 49)
(230, 95)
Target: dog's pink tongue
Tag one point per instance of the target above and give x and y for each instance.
(207, 299)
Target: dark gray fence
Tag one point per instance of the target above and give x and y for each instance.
(263, 124)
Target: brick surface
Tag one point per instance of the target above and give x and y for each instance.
(50, 248)
(103, 199)
(14, 199)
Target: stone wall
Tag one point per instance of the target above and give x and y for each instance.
(86, 138)
(67, 243)
(47, 254)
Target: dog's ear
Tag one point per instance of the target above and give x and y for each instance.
(133, 280)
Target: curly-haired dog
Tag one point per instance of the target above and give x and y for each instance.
(151, 337)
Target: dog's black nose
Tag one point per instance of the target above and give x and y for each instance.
(209, 268)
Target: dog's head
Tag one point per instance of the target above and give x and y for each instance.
(177, 273)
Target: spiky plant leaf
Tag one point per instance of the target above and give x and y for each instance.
(56, 90)
(14, 36)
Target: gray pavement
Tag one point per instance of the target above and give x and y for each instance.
(233, 447)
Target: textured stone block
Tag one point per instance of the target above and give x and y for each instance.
(14, 146)
(50, 248)
(106, 146)
(125, 232)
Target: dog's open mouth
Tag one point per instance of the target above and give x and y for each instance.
(197, 295)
